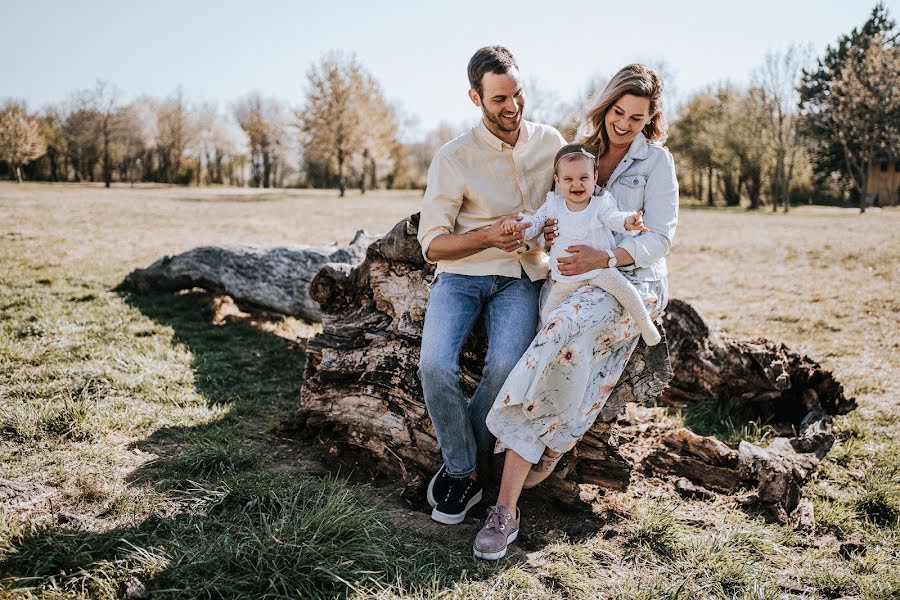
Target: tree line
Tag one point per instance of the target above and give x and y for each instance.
(344, 133)
(800, 129)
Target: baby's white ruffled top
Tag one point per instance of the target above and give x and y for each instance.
(592, 226)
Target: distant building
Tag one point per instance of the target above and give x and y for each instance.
(884, 181)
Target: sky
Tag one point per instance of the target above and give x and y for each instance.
(418, 50)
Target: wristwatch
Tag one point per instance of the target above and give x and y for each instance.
(612, 260)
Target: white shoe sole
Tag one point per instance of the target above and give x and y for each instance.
(430, 495)
(454, 519)
(499, 553)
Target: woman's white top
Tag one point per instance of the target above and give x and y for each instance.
(592, 226)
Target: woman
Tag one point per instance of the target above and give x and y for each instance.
(556, 390)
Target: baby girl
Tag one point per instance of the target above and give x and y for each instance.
(590, 220)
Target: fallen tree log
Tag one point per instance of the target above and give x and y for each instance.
(274, 279)
(361, 388)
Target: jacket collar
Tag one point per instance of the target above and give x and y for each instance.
(496, 143)
(639, 150)
(640, 147)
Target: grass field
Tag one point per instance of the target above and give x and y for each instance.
(150, 424)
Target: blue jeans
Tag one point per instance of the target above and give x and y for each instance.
(509, 307)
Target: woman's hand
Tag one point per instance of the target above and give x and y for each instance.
(583, 259)
(550, 231)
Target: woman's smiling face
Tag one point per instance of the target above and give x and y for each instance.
(626, 118)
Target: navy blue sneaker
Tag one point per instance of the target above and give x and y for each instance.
(438, 486)
(462, 494)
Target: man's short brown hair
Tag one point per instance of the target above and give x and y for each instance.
(490, 59)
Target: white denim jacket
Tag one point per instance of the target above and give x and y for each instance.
(645, 180)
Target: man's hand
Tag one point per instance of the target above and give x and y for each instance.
(583, 259)
(505, 233)
(453, 246)
(551, 231)
(510, 223)
(636, 222)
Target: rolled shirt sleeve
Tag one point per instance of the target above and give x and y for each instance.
(442, 201)
(660, 215)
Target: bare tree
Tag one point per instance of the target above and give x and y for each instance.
(778, 79)
(694, 138)
(81, 140)
(130, 143)
(219, 141)
(174, 135)
(264, 120)
(20, 138)
(105, 99)
(52, 130)
(344, 116)
(144, 115)
(378, 133)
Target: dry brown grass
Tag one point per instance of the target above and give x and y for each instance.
(821, 280)
(127, 227)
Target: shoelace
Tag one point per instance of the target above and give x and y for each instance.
(496, 520)
(465, 491)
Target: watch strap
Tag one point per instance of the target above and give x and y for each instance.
(613, 261)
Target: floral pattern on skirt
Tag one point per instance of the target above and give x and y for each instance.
(555, 392)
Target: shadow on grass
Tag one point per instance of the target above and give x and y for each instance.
(254, 376)
(257, 536)
(236, 515)
(247, 521)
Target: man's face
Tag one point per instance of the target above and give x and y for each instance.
(502, 100)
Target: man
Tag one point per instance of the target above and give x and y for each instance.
(502, 166)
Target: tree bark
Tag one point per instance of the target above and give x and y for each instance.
(362, 390)
(273, 279)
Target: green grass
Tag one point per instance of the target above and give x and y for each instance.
(727, 423)
(657, 529)
(262, 538)
(153, 427)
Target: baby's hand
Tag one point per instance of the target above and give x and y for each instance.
(510, 224)
(636, 222)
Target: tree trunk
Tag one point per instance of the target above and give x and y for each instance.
(107, 167)
(341, 184)
(362, 389)
(274, 279)
(365, 166)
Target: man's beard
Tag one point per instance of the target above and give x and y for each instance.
(498, 122)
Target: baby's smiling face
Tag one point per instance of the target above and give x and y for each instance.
(576, 178)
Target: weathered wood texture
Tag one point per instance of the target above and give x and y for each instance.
(275, 279)
(361, 387)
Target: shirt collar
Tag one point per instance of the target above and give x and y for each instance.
(496, 143)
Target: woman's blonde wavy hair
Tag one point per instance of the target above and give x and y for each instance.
(637, 80)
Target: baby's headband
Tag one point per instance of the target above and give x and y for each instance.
(580, 151)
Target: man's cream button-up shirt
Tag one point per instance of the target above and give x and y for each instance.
(477, 178)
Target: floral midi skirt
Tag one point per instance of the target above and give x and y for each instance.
(555, 392)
